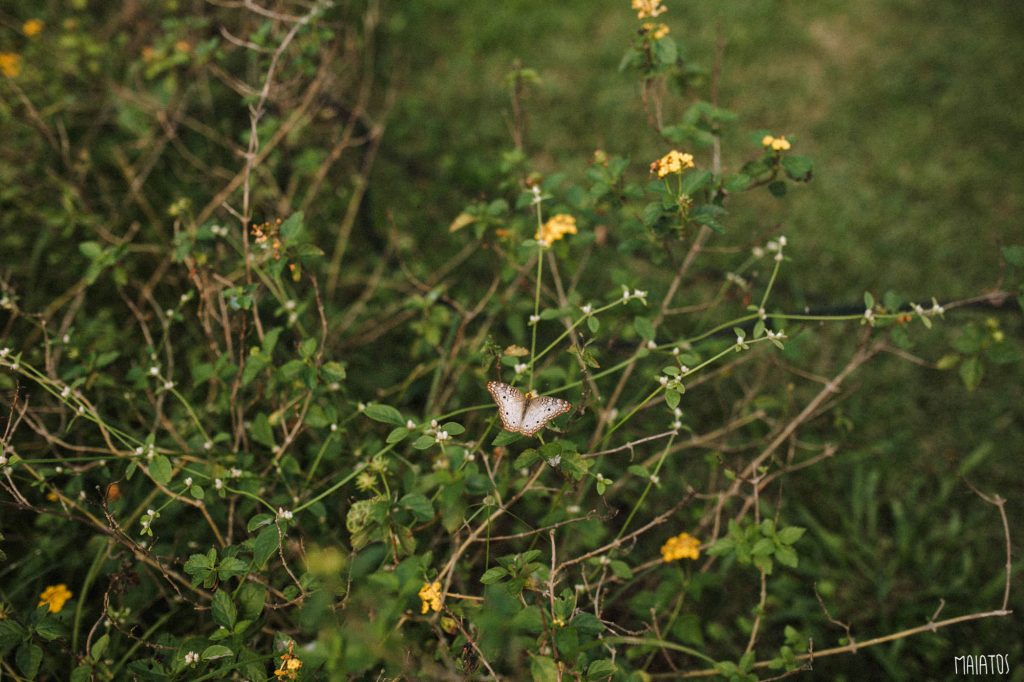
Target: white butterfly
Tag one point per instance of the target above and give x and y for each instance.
(522, 414)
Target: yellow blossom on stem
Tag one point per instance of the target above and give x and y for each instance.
(673, 162)
(776, 144)
(290, 665)
(182, 46)
(32, 27)
(556, 228)
(10, 64)
(646, 9)
(655, 30)
(682, 546)
(54, 596)
(430, 594)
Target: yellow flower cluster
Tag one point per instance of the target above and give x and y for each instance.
(430, 595)
(682, 546)
(556, 228)
(648, 8)
(290, 665)
(54, 596)
(655, 30)
(32, 27)
(673, 162)
(776, 144)
(10, 64)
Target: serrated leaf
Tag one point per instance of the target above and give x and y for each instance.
(786, 556)
(493, 575)
(763, 547)
(791, 534)
(265, 546)
(419, 505)
(601, 669)
(261, 431)
(259, 521)
(212, 653)
(223, 610)
(28, 657)
(543, 669)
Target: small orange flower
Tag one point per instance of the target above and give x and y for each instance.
(148, 54)
(54, 596)
(682, 546)
(32, 27)
(183, 46)
(10, 64)
(290, 665)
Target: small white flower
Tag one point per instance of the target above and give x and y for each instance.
(191, 658)
(917, 309)
(677, 424)
(66, 339)
(663, 380)
(655, 479)
(102, 462)
(138, 451)
(604, 560)
(470, 457)
(81, 494)
(639, 294)
(289, 305)
(651, 345)
(537, 198)
(361, 407)
(739, 339)
(168, 385)
(218, 484)
(188, 482)
(433, 424)
(184, 298)
(235, 472)
(334, 427)
(573, 509)
(587, 309)
(936, 308)
(625, 294)
(613, 414)
(758, 252)
(151, 512)
(520, 367)
(677, 412)
(534, 319)
(293, 318)
(684, 369)
(761, 313)
(675, 351)
(442, 436)
(3, 460)
(869, 315)
(579, 587)
(778, 257)
(772, 245)
(81, 408)
(65, 392)
(169, 312)
(555, 461)
(154, 371)
(15, 365)
(58, 469)
(285, 514)
(782, 241)
(208, 445)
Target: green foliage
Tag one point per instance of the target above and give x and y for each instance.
(244, 351)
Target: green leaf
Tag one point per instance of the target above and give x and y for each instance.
(493, 575)
(453, 428)
(252, 598)
(419, 505)
(82, 673)
(621, 570)
(264, 547)
(385, 414)
(261, 431)
(763, 547)
(197, 492)
(10, 633)
(333, 371)
(722, 546)
(1014, 255)
(786, 556)
(869, 300)
(291, 229)
(424, 442)
(798, 168)
(601, 669)
(527, 458)
(543, 669)
(160, 469)
(695, 180)
(644, 328)
(971, 371)
(49, 629)
(223, 609)
(791, 534)
(593, 324)
(397, 434)
(28, 657)
(216, 651)
(232, 567)
(259, 521)
(777, 188)
(504, 438)
(672, 399)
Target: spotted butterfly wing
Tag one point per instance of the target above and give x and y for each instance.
(511, 404)
(539, 411)
(520, 414)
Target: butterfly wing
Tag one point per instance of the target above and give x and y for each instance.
(541, 410)
(511, 404)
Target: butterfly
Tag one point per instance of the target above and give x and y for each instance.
(525, 414)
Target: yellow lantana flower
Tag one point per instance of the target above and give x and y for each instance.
(673, 162)
(10, 64)
(290, 665)
(32, 27)
(556, 228)
(682, 546)
(54, 596)
(776, 144)
(655, 30)
(648, 8)
(430, 594)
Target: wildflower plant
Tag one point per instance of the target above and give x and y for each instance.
(248, 434)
